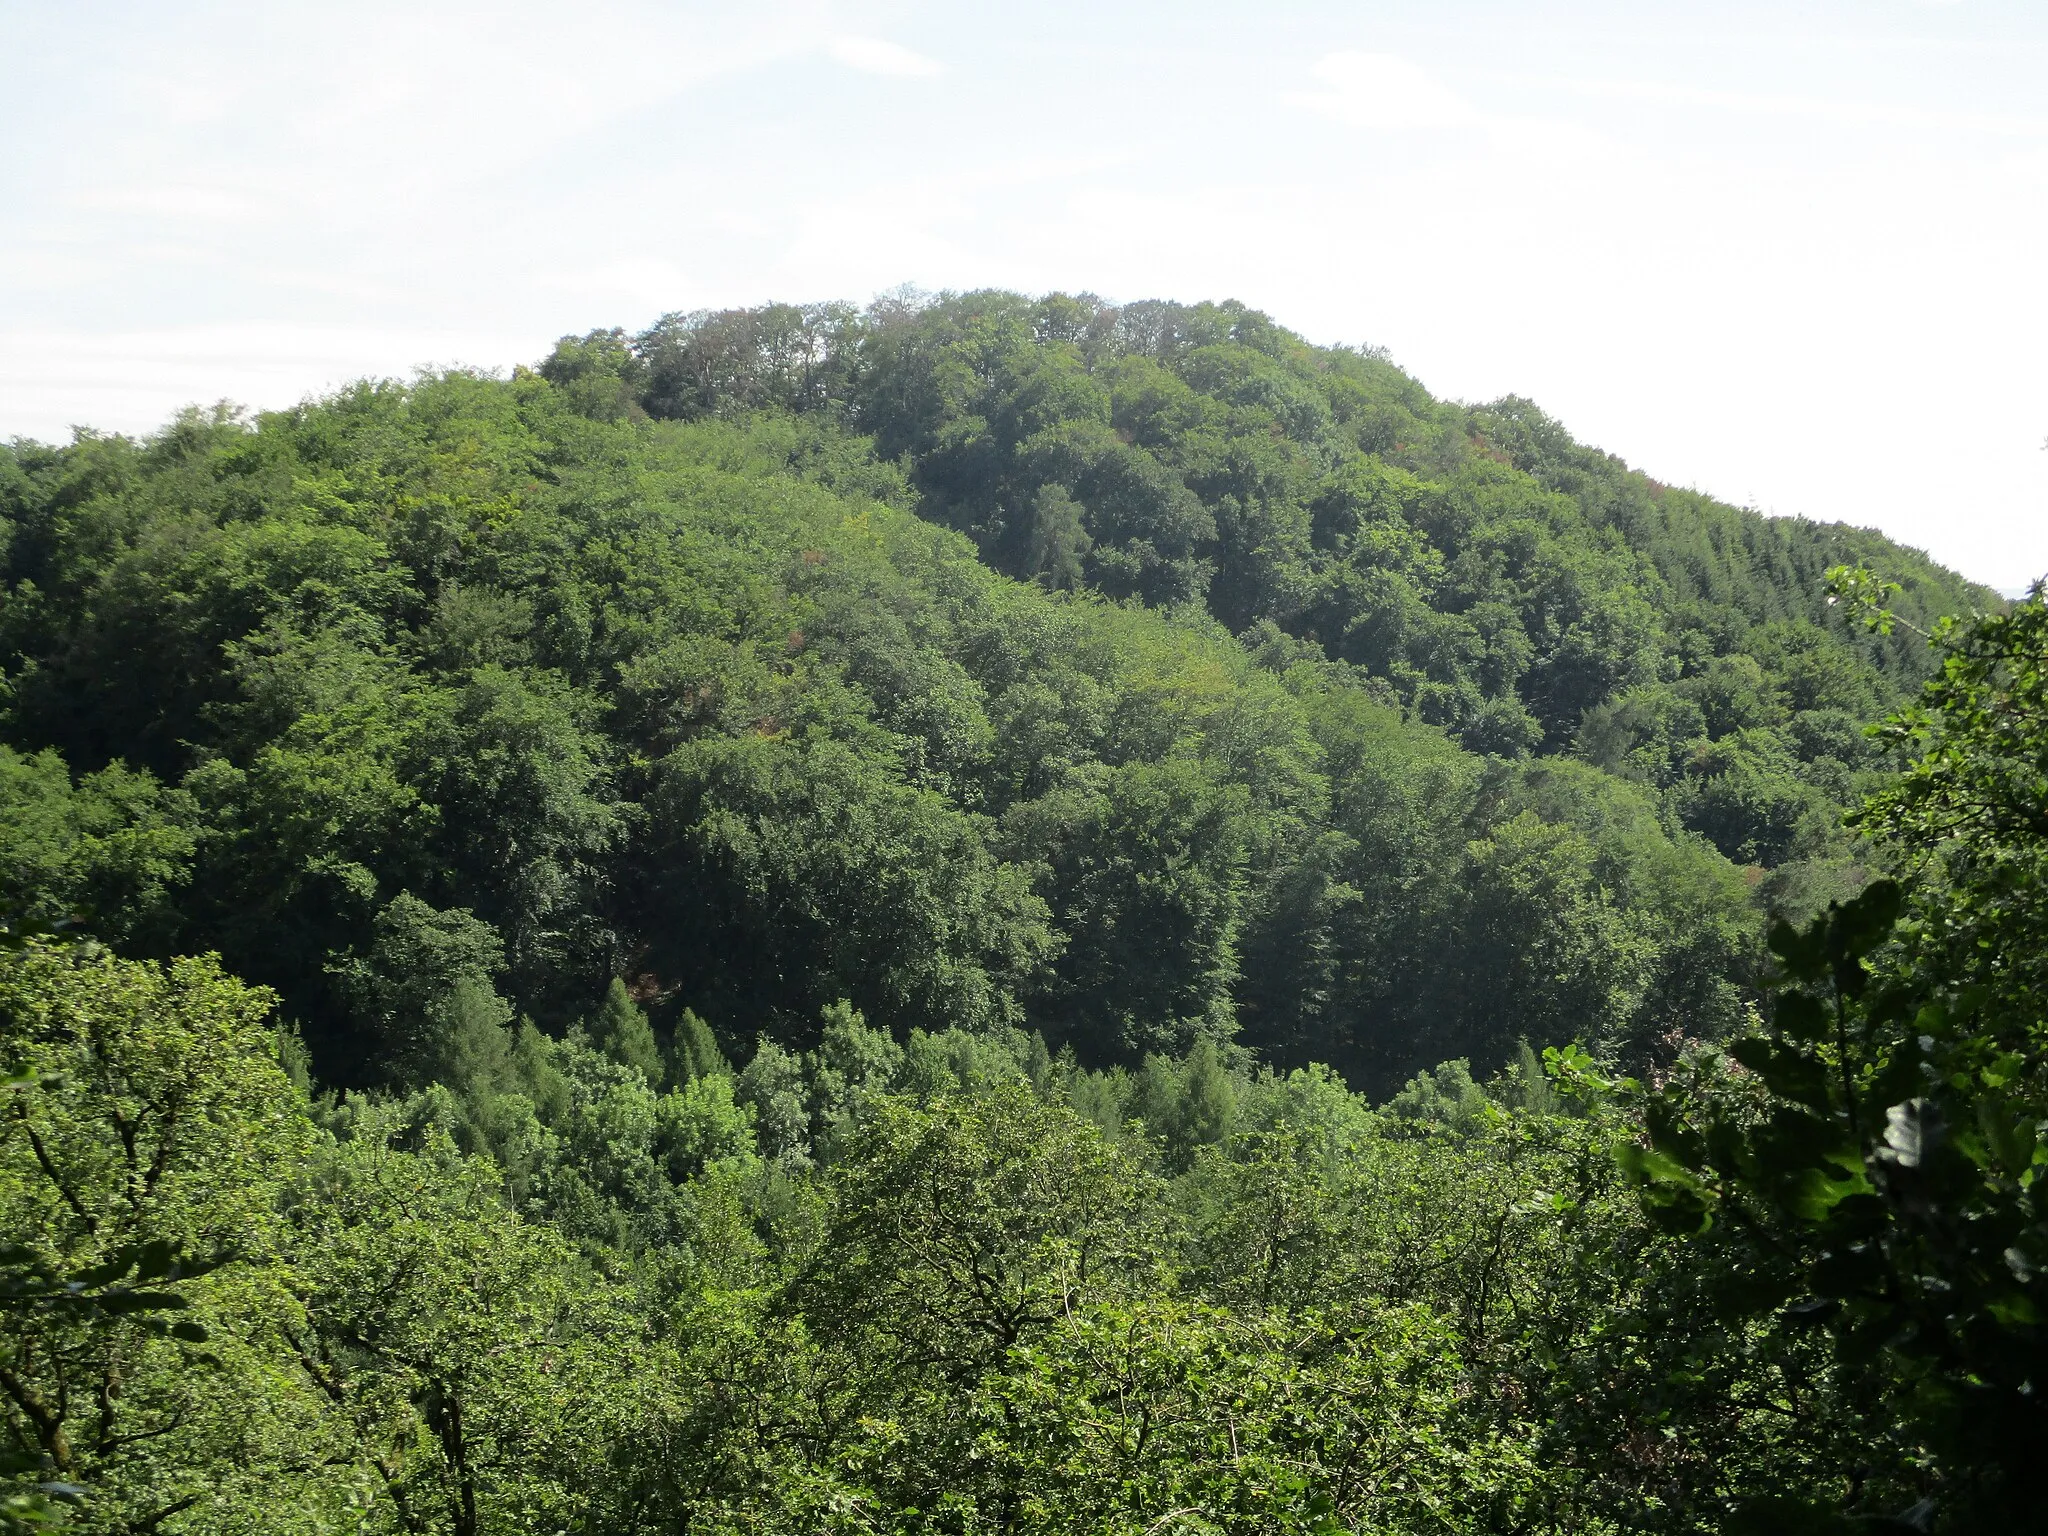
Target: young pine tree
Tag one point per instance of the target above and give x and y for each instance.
(622, 1032)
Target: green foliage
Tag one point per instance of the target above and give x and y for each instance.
(1502, 577)
(142, 1156)
(423, 967)
(113, 848)
(501, 687)
(622, 1032)
(694, 1051)
(474, 1362)
(837, 871)
(1446, 1096)
(905, 1286)
(1870, 1163)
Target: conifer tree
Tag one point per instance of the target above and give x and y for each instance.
(622, 1032)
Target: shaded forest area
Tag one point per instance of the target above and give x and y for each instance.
(1001, 915)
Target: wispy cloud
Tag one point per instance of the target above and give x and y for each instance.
(1388, 93)
(176, 200)
(1383, 90)
(875, 56)
(1811, 108)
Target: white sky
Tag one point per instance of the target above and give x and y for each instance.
(1793, 253)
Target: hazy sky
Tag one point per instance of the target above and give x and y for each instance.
(1794, 254)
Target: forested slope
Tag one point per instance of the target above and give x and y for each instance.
(1000, 916)
(1526, 593)
(1330, 719)
(1502, 578)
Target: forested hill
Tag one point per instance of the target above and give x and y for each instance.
(747, 932)
(1418, 730)
(1502, 578)
(1474, 565)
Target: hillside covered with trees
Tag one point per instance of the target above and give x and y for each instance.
(1351, 726)
(991, 915)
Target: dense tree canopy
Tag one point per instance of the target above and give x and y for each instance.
(653, 665)
(998, 915)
